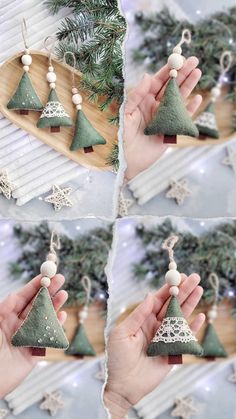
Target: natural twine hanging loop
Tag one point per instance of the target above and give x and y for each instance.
(86, 283)
(215, 283)
(49, 46)
(186, 37)
(73, 66)
(24, 32)
(169, 244)
(55, 243)
(225, 62)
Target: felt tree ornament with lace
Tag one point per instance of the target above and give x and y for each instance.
(212, 347)
(25, 98)
(174, 336)
(80, 345)
(41, 328)
(206, 120)
(54, 115)
(171, 118)
(85, 135)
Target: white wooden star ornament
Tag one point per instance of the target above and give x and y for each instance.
(3, 413)
(179, 190)
(232, 377)
(52, 402)
(124, 205)
(6, 186)
(184, 408)
(59, 197)
(230, 159)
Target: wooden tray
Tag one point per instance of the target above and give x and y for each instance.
(225, 326)
(10, 74)
(94, 326)
(224, 111)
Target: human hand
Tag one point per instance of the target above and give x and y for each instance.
(131, 373)
(140, 150)
(17, 362)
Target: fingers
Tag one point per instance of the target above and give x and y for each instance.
(136, 96)
(197, 323)
(163, 294)
(194, 104)
(134, 321)
(62, 316)
(192, 301)
(190, 83)
(60, 299)
(28, 292)
(7, 306)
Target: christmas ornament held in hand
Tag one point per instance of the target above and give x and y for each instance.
(41, 328)
(174, 336)
(80, 345)
(54, 114)
(171, 118)
(85, 135)
(212, 347)
(25, 98)
(206, 120)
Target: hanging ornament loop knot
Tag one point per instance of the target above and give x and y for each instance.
(49, 45)
(215, 283)
(73, 65)
(225, 63)
(55, 243)
(186, 37)
(24, 32)
(86, 283)
(169, 244)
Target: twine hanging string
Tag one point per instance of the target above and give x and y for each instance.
(24, 32)
(55, 243)
(73, 66)
(186, 37)
(169, 244)
(49, 45)
(86, 283)
(226, 60)
(215, 284)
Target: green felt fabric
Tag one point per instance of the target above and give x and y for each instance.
(207, 128)
(85, 134)
(174, 348)
(172, 117)
(54, 114)
(80, 344)
(212, 347)
(41, 328)
(25, 97)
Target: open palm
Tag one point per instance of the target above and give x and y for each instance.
(131, 373)
(141, 151)
(16, 363)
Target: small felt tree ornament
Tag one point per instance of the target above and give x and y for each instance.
(54, 115)
(174, 336)
(25, 98)
(80, 345)
(41, 328)
(85, 135)
(212, 347)
(206, 120)
(172, 118)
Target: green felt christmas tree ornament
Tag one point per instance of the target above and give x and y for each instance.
(172, 118)
(41, 328)
(206, 120)
(25, 98)
(211, 344)
(85, 135)
(80, 345)
(54, 115)
(174, 336)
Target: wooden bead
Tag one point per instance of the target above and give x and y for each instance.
(51, 68)
(212, 314)
(177, 49)
(216, 91)
(48, 269)
(173, 73)
(175, 61)
(173, 277)
(172, 265)
(74, 90)
(52, 257)
(77, 99)
(174, 291)
(26, 68)
(78, 107)
(51, 77)
(83, 315)
(52, 85)
(45, 281)
(26, 59)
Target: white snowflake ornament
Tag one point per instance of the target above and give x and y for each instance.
(3, 413)
(6, 186)
(52, 402)
(184, 408)
(179, 190)
(59, 197)
(124, 205)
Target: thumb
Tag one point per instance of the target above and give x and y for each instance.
(134, 321)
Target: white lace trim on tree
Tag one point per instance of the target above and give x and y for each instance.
(53, 109)
(174, 329)
(207, 119)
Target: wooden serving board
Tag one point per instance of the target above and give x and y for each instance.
(10, 74)
(224, 111)
(94, 326)
(225, 326)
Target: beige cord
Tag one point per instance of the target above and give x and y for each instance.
(169, 244)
